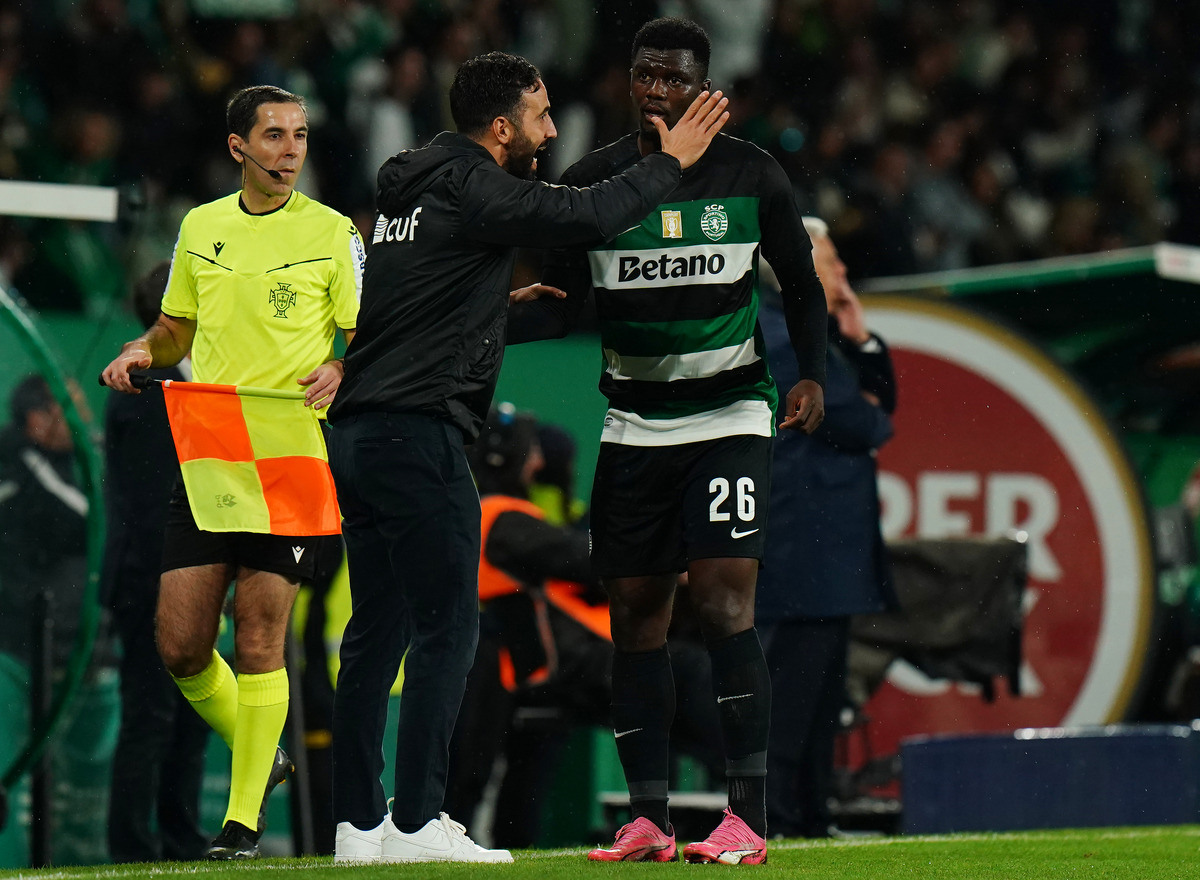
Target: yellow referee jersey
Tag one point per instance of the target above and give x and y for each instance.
(267, 291)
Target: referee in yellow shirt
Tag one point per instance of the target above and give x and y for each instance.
(260, 281)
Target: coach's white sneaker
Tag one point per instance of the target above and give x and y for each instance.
(441, 840)
(353, 846)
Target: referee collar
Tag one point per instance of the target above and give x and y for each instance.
(247, 211)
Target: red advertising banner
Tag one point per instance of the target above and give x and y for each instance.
(993, 438)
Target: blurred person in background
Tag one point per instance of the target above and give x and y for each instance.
(825, 558)
(43, 522)
(543, 655)
(158, 764)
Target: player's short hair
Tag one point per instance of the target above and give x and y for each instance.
(675, 33)
(242, 110)
(31, 394)
(148, 293)
(489, 86)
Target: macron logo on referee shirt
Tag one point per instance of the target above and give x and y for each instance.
(396, 228)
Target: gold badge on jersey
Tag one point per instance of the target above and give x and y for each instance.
(672, 222)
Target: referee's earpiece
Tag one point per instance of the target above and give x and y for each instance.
(271, 171)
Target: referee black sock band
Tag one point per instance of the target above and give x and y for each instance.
(742, 687)
(642, 710)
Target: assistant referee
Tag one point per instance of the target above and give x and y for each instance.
(260, 282)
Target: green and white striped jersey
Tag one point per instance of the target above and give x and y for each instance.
(675, 295)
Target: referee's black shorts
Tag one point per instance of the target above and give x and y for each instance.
(297, 558)
(655, 508)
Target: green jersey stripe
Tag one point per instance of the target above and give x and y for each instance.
(655, 339)
(694, 365)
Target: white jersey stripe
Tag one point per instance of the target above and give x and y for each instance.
(694, 365)
(741, 417)
(648, 270)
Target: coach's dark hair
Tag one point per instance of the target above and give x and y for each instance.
(242, 111)
(488, 86)
(148, 293)
(31, 394)
(675, 33)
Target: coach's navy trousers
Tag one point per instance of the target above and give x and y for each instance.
(411, 524)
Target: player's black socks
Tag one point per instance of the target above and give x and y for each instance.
(742, 686)
(643, 708)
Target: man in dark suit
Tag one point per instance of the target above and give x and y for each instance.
(825, 557)
(158, 764)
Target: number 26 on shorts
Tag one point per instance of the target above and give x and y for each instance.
(744, 503)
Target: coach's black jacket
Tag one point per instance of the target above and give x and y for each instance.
(431, 327)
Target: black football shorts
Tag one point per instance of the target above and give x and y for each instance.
(655, 508)
(296, 558)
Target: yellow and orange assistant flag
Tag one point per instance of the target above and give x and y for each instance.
(253, 459)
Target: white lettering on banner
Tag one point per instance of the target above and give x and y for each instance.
(396, 229)
(935, 494)
(1012, 502)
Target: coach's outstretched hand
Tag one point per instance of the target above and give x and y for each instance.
(692, 134)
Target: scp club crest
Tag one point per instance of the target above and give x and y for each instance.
(714, 222)
(282, 298)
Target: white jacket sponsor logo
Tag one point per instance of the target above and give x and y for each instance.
(679, 266)
(396, 228)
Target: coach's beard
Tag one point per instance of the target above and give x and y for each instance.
(521, 160)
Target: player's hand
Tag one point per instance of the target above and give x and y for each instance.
(535, 291)
(133, 356)
(692, 134)
(805, 406)
(323, 384)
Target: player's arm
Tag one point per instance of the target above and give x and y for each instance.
(165, 344)
(787, 247)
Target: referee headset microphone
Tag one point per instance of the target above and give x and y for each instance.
(271, 171)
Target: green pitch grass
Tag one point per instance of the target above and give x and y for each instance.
(1094, 854)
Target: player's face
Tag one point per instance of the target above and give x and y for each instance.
(279, 140)
(534, 129)
(663, 83)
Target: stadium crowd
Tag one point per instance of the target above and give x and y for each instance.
(932, 134)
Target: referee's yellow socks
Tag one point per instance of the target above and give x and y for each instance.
(261, 711)
(213, 693)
